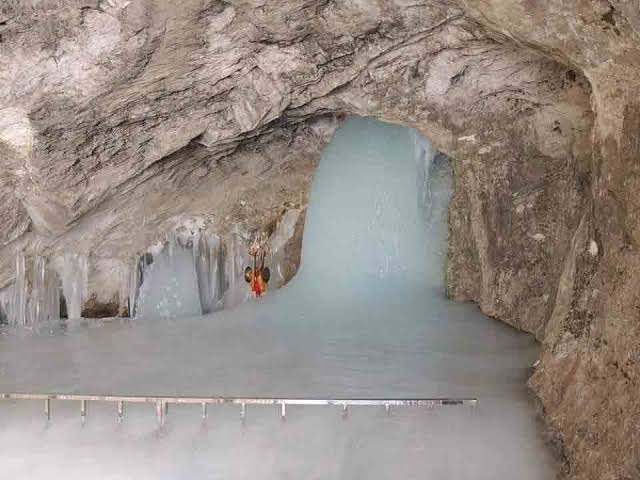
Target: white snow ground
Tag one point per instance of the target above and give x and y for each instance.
(365, 317)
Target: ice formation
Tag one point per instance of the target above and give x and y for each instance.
(35, 295)
(191, 272)
(45, 301)
(196, 272)
(285, 230)
(365, 317)
(170, 284)
(75, 271)
(210, 270)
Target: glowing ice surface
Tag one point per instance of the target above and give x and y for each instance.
(365, 317)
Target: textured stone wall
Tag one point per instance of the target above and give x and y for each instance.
(589, 376)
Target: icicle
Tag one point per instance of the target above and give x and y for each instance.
(194, 241)
(6, 304)
(135, 278)
(44, 301)
(424, 155)
(20, 293)
(74, 283)
(231, 268)
(201, 262)
(285, 229)
(171, 245)
(35, 295)
(206, 261)
(235, 260)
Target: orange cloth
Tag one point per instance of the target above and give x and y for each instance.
(257, 284)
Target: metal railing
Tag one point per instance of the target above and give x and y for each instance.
(162, 402)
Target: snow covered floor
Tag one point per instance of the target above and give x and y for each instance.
(365, 317)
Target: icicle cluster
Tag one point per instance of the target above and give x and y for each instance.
(192, 272)
(35, 295)
(195, 272)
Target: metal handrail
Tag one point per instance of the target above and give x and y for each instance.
(162, 402)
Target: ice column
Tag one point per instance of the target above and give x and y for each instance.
(44, 302)
(136, 277)
(169, 285)
(424, 154)
(35, 295)
(5, 304)
(75, 275)
(209, 261)
(18, 308)
(371, 222)
(190, 265)
(134, 284)
(235, 261)
(285, 229)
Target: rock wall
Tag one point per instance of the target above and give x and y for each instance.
(120, 119)
(589, 376)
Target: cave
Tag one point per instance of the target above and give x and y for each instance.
(135, 131)
(365, 316)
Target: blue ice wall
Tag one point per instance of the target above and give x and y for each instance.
(365, 222)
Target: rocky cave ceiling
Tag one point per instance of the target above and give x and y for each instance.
(118, 114)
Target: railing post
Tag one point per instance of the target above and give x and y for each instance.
(83, 411)
(160, 411)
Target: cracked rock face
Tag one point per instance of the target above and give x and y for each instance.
(121, 119)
